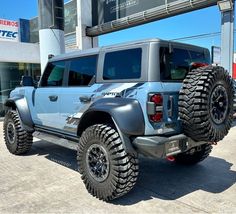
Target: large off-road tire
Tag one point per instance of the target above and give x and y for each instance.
(17, 139)
(107, 170)
(206, 104)
(194, 155)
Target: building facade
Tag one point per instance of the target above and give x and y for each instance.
(19, 46)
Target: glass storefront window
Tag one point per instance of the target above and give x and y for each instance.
(70, 17)
(10, 77)
(34, 30)
(70, 23)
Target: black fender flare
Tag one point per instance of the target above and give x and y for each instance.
(126, 114)
(19, 103)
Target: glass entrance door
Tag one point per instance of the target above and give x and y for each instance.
(10, 77)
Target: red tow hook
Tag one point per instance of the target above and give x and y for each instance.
(170, 158)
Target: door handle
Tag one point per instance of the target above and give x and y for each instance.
(85, 99)
(53, 98)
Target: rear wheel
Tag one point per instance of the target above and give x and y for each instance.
(17, 139)
(194, 155)
(107, 170)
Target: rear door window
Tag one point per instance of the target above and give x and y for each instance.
(82, 71)
(125, 64)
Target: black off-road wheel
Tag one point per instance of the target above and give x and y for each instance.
(206, 104)
(194, 155)
(107, 170)
(17, 139)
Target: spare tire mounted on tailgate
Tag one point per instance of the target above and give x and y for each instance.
(206, 104)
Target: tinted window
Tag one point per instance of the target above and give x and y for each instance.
(82, 71)
(53, 75)
(199, 57)
(123, 65)
(176, 65)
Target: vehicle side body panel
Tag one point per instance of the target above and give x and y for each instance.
(63, 108)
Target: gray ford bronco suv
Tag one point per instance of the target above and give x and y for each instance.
(156, 98)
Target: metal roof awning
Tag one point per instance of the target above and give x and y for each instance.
(168, 9)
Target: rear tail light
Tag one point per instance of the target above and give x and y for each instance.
(157, 99)
(156, 117)
(155, 108)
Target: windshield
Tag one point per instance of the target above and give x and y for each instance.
(174, 66)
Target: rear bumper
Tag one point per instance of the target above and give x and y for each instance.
(162, 147)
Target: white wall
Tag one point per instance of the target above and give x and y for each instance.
(84, 12)
(51, 42)
(19, 52)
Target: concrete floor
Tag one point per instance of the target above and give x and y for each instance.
(46, 181)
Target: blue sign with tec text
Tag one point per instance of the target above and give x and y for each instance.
(8, 34)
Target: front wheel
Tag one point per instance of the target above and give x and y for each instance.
(107, 170)
(17, 139)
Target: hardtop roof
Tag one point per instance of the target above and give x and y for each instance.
(94, 51)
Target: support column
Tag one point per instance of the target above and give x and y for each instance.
(227, 40)
(51, 33)
(84, 8)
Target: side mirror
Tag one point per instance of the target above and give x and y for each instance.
(27, 81)
(36, 81)
(37, 78)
